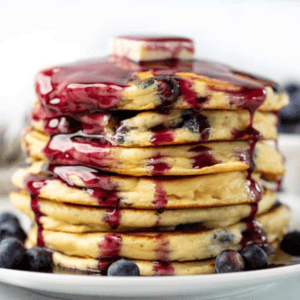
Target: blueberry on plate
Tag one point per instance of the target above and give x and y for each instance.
(123, 267)
(39, 259)
(229, 261)
(12, 254)
(9, 218)
(291, 243)
(255, 258)
(10, 229)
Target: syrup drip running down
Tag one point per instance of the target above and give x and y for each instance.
(157, 165)
(98, 185)
(160, 197)
(112, 218)
(79, 149)
(161, 136)
(110, 248)
(254, 235)
(33, 185)
(161, 268)
(203, 157)
(162, 248)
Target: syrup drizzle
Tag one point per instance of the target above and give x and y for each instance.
(161, 268)
(161, 136)
(98, 185)
(162, 248)
(79, 149)
(254, 235)
(97, 84)
(33, 185)
(203, 157)
(160, 197)
(112, 217)
(157, 165)
(110, 248)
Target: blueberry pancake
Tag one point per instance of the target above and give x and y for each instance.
(152, 128)
(115, 83)
(195, 159)
(87, 186)
(79, 265)
(168, 246)
(62, 216)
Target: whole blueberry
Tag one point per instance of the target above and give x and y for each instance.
(12, 230)
(291, 113)
(12, 254)
(123, 267)
(229, 261)
(255, 258)
(291, 243)
(39, 259)
(293, 88)
(9, 218)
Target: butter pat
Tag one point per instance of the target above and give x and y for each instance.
(152, 48)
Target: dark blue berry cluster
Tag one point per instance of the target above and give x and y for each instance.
(13, 254)
(250, 258)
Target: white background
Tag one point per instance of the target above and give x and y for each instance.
(261, 37)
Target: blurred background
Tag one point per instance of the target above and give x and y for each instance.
(261, 37)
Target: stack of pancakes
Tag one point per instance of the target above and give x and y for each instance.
(164, 162)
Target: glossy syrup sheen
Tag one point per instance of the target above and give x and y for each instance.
(98, 84)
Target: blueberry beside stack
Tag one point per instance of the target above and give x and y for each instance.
(163, 162)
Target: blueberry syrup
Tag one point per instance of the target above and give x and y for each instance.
(157, 165)
(162, 248)
(254, 235)
(160, 197)
(203, 157)
(110, 248)
(79, 149)
(98, 185)
(161, 268)
(98, 84)
(112, 217)
(55, 123)
(33, 185)
(253, 188)
(161, 135)
(90, 177)
(253, 211)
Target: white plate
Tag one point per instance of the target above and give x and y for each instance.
(214, 286)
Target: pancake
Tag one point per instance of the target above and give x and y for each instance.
(205, 158)
(78, 265)
(72, 264)
(171, 246)
(62, 216)
(131, 129)
(147, 268)
(112, 83)
(86, 186)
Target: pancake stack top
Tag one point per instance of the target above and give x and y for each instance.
(151, 155)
